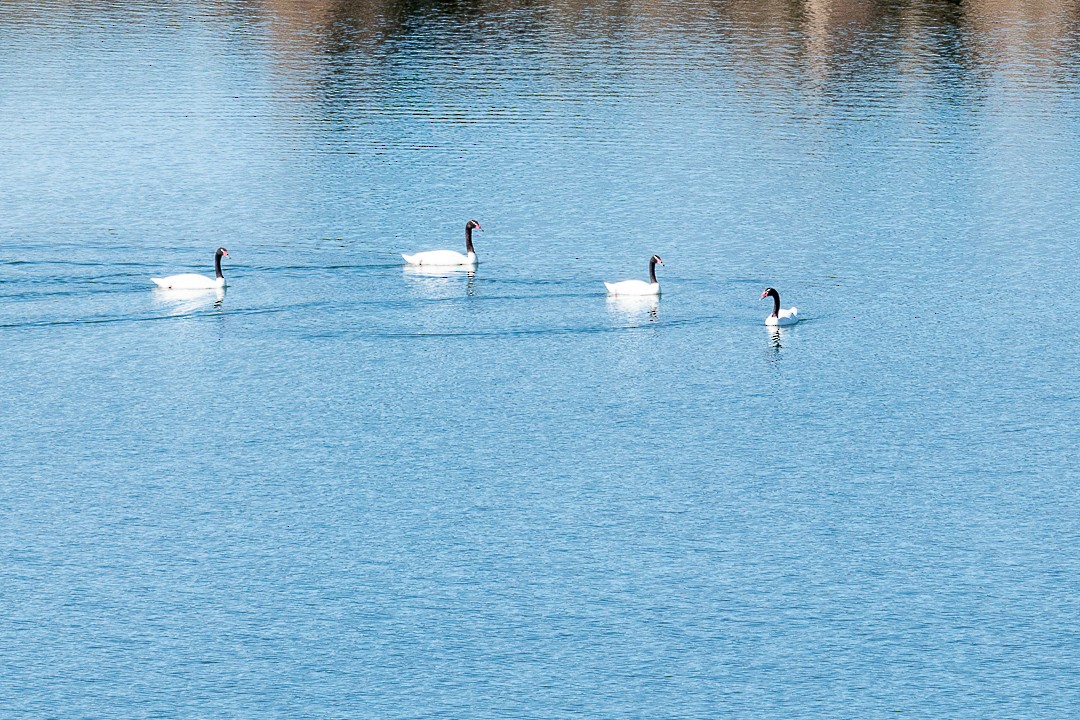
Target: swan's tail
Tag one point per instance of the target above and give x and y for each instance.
(159, 282)
(794, 311)
(610, 287)
(411, 259)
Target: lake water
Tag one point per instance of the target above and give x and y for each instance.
(349, 490)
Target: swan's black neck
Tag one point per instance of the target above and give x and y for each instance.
(468, 239)
(775, 304)
(652, 270)
(217, 265)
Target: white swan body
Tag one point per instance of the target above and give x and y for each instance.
(191, 281)
(444, 258)
(784, 317)
(780, 318)
(633, 287)
(448, 258)
(638, 287)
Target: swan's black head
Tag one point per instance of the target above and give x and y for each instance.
(769, 292)
(656, 259)
(221, 252)
(473, 225)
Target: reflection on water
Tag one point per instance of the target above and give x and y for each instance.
(631, 308)
(831, 42)
(434, 281)
(775, 336)
(184, 302)
(440, 271)
(775, 341)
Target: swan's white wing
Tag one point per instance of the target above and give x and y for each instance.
(786, 317)
(188, 281)
(633, 287)
(439, 257)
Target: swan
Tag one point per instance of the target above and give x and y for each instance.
(191, 281)
(780, 317)
(638, 287)
(448, 257)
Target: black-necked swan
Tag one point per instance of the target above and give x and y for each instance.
(638, 287)
(191, 281)
(448, 257)
(779, 317)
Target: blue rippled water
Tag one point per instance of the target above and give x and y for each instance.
(347, 489)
